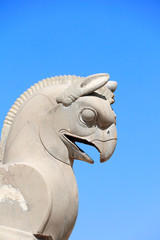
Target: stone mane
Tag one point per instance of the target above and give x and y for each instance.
(57, 80)
(53, 81)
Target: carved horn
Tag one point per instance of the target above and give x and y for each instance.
(81, 88)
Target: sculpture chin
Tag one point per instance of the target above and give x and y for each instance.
(105, 148)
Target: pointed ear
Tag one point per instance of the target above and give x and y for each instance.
(82, 87)
(112, 85)
(94, 82)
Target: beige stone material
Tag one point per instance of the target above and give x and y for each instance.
(14, 234)
(38, 189)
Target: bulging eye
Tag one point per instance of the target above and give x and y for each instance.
(88, 115)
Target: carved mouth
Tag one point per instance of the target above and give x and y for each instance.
(75, 151)
(105, 147)
(75, 139)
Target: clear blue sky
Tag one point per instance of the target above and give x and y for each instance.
(119, 199)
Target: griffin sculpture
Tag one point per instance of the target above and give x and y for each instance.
(38, 189)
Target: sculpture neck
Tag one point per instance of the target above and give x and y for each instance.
(24, 143)
(50, 137)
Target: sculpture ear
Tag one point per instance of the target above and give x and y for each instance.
(94, 82)
(83, 87)
(112, 85)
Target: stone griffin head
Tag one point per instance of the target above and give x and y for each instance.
(83, 113)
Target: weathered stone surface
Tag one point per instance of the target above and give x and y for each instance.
(38, 189)
(14, 234)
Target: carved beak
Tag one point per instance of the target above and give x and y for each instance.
(106, 148)
(104, 141)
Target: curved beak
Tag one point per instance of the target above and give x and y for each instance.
(105, 142)
(106, 148)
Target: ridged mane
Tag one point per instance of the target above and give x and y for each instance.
(53, 81)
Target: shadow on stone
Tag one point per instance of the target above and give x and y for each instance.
(43, 237)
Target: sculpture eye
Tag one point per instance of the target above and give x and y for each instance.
(88, 115)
